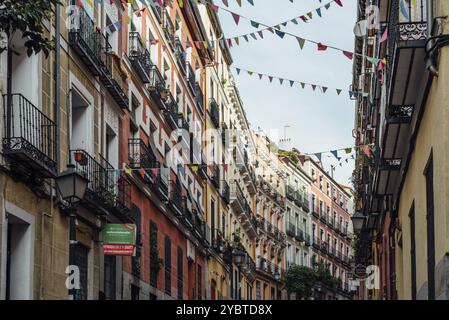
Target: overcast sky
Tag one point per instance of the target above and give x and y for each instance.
(317, 121)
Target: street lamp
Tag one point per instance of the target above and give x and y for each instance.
(238, 255)
(357, 221)
(71, 186)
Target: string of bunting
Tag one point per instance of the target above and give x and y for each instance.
(281, 34)
(302, 84)
(366, 148)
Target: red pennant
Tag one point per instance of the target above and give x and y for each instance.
(260, 34)
(350, 55)
(213, 7)
(230, 42)
(302, 159)
(225, 2)
(236, 17)
(367, 150)
(339, 3)
(271, 78)
(303, 18)
(225, 167)
(321, 47)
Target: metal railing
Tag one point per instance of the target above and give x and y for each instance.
(28, 130)
(176, 195)
(190, 77)
(225, 191)
(199, 98)
(140, 57)
(214, 112)
(142, 157)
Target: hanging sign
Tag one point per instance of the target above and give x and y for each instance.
(119, 239)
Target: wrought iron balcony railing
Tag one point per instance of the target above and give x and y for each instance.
(157, 9)
(140, 57)
(290, 192)
(225, 191)
(180, 55)
(87, 42)
(161, 184)
(142, 157)
(156, 87)
(215, 175)
(199, 98)
(169, 30)
(171, 111)
(238, 201)
(190, 77)
(291, 229)
(30, 136)
(214, 113)
(175, 197)
(217, 240)
(187, 211)
(101, 188)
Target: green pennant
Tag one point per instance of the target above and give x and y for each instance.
(301, 42)
(309, 15)
(278, 27)
(245, 37)
(239, 2)
(180, 3)
(302, 84)
(338, 91)
(294, 21)
(236, 39)
(254, 24)
(250, 72)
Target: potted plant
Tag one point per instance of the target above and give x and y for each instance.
(80, 157)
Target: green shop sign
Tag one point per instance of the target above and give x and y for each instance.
(124, 234)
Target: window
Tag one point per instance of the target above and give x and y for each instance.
(258, 291)
(180, 273)
(154, 255)
(81, 258)
(430, 229)
(135, 261)
(199, 282)
(109, 277)
(167, 265)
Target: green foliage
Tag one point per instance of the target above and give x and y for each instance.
(26, 17)
(300, 280)
(293, 156)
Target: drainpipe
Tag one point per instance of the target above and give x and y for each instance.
(9, 90)
(57, 82)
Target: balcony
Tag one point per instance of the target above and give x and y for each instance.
(101, 193)
(225, 191)
(122, 203)
(407, 36)
(180, 55)
(214, 113)
(30, 137)
(190, 77)
(316, 243)
(290, 193)
(215, 175)
(95, 51)
(157, 10)
(161, 184)
(199, 98)
(238, 201)
(139, 57)
(305, 203)
(268, 268)
(315, 211)
(171, 111)
(87, 42)
(175, 197)
(188, 209)
(142, 157)
(183, 123)
(324, 246)
(246, 264)
(200, 227)
(157, 89)
(330, 222)
(307, 239)
(299, 235)
(322, 217)
(291, 230)
(169, 30)
(218, 242)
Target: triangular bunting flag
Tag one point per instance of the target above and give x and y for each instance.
(236, 17)
(301, 42)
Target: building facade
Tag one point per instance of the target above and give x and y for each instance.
(401, 183)
(331, 227)
(140, 99)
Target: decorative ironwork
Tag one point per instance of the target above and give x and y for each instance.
(214, 112)
(31, 135)
(140, 57)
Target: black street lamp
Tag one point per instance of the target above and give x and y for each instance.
(357, 222)
(71, 186)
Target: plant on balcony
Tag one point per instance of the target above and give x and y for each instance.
(108, 196)
(236, 236)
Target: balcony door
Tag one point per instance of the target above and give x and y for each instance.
(80, 122)
(19, 238)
